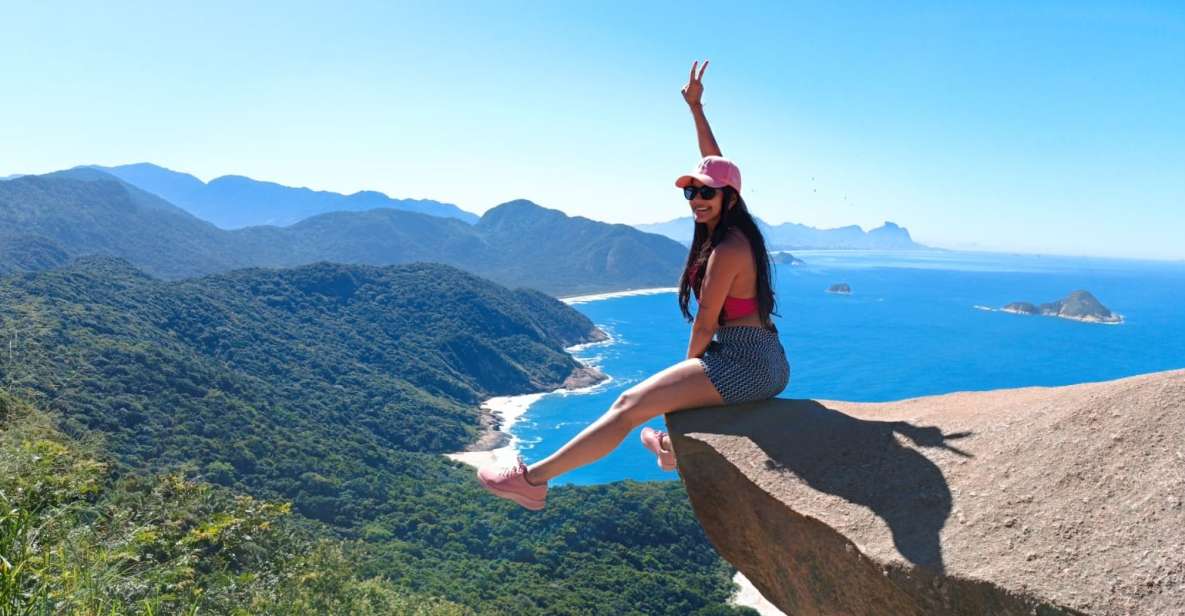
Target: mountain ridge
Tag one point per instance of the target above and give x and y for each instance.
(519, 243)
(234, 201)
(797, 236)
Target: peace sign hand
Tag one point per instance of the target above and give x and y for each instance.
(694, 90)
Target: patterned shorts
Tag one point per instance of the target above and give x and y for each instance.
(746, 363)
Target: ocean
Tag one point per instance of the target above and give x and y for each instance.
(916, 323)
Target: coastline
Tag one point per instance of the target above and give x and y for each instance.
(495, 444)
(581, 299)
(498, 446)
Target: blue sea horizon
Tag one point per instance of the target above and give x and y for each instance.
(917, 323)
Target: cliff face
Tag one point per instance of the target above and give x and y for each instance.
(1060, 500)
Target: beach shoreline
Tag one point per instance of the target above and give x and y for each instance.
(581, 299)
(495, 444)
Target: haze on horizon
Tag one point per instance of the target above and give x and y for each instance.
(1047, 129)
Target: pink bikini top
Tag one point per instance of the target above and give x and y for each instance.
(734, 307)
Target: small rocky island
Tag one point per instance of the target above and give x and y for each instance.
(841, 288)
(1079, 305)
(785, 258)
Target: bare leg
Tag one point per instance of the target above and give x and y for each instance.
(682, 386)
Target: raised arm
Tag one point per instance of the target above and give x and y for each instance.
(693, 93)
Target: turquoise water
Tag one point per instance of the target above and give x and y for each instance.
(909, 328)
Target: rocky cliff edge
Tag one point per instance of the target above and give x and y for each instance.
(1038, 500)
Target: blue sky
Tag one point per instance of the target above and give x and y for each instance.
(1032, 127)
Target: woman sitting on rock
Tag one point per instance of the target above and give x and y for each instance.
(728, 270)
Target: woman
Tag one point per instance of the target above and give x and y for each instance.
(728, 270)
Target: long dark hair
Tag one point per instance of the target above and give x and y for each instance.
(702, 245)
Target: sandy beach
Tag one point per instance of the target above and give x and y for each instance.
(581, 299)
(502, 447)
(498, 414)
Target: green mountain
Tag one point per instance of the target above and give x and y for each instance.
(596, 256)
(334, 388)
(88, 212)
(235, 201)
(85, 211)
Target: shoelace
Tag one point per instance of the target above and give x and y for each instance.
(660, 434)
(511, 471)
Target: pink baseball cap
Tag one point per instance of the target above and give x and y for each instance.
(714, 171)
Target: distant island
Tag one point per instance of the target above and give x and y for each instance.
(841, 288)
(1079, 305)
(785, 258)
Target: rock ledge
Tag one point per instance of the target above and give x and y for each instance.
(1038, 500)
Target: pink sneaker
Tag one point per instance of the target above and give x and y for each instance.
(511, 482)
(653, 440)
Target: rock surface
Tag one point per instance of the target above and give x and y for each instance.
(584, 376)
(839, 287)
(1038, 500)
(1021, 308)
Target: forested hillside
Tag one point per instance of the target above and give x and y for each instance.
(29, 253)
(77, 539)
(335, 388)
(348, 367)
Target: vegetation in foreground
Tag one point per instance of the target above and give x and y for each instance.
(76, 540)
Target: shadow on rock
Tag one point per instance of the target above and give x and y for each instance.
(860, 461)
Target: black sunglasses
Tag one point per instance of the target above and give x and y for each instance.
(705, 192)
